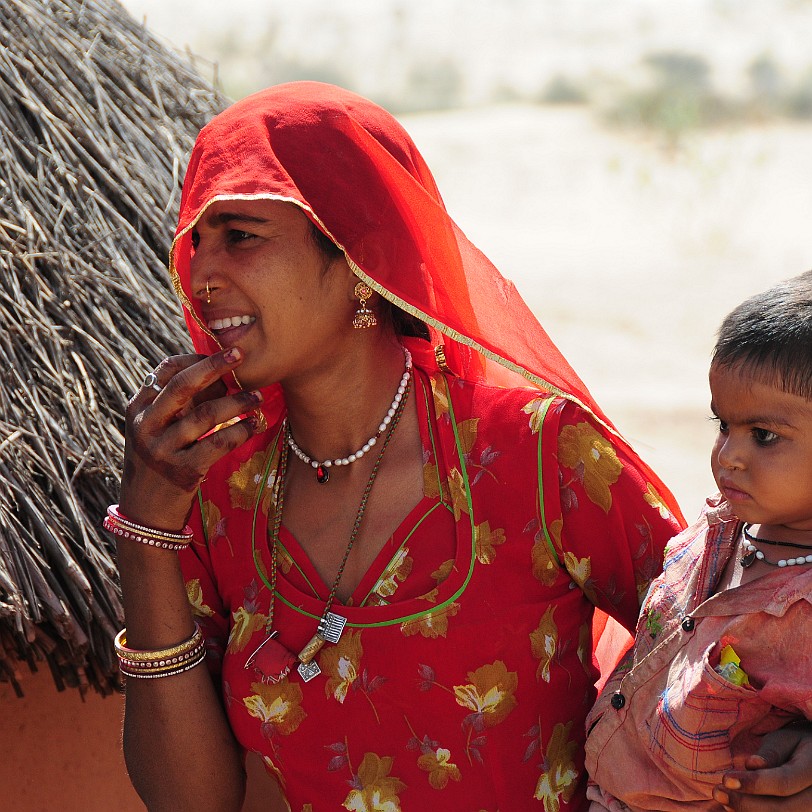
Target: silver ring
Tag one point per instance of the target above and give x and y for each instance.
(151, 382)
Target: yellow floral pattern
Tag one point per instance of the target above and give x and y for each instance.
(437, 763)
(467, 433)
(440, 394)
(558, 780)
(342, 664)
(278, 706)
(544, 642)
(582, 448)
(396, 573)
(489, 692)
(244, 624)
(656, 501)
(581, 571)
(433, 486)
(536, 411)
(486, 542)
(244, 483)
(459, 498)
(194, 593)
(378, 791)
(433, 624)
(215, 525)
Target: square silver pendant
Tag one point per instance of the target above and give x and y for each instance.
(307, 671)
(331, 627)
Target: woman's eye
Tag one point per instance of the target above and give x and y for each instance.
(237, 236)
(764, 437)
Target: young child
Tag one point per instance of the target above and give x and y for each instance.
(723, 649)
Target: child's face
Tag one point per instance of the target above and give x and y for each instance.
(762, 457)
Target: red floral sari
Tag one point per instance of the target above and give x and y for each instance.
(465, 670)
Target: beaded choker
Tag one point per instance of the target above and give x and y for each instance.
(753, 554)
(271, 659)
(323, 468)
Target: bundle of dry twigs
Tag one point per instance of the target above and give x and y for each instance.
(96, 119)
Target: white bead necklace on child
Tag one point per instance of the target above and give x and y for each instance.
(322, 468)
(753, 554)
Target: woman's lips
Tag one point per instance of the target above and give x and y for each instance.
(229, 323)
(231, 329)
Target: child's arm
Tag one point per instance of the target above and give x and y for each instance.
(778, 778)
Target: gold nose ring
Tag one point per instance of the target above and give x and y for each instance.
(208, 293)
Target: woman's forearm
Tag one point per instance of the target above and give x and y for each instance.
(178, 746)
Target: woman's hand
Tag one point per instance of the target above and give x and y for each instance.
(167, 451)
(778, 777)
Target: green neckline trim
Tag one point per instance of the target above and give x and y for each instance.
(263, 484)
(545, 407)
(205, 522)
(433, 442)
(415, 615)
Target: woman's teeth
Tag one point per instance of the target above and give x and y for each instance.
(233, 321)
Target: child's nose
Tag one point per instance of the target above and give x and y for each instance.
(729, 454)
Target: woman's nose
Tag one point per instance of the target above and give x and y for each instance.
(200, 274)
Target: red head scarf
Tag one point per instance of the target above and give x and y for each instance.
(358, 176)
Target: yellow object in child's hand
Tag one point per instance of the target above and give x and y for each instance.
(729, 667)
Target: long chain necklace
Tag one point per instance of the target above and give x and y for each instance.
(271, 658)
(753, 554)
(323, 467)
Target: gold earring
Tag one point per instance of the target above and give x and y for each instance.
(208, 293)
(364, 317)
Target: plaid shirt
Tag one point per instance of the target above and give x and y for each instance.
(667, 724)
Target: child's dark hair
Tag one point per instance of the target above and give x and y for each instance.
(770, 335)
(403, 323)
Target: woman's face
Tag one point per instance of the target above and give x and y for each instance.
(273, 293)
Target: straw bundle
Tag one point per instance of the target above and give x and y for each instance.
(96, 118)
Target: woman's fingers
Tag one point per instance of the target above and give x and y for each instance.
(195, 430)
(181, 381)
(171, 440)
(778, 777)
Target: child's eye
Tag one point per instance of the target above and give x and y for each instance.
(764, 436)
(722, 424)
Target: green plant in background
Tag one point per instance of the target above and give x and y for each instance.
(680, 99)
(561, 90)
(799, 99)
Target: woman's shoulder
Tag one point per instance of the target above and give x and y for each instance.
(520, 407)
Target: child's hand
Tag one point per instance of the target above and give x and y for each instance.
(778, 777)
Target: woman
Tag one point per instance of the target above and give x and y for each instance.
(402, 503)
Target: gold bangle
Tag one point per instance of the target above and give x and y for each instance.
(178, 669)
(161, 663)
(125, 653)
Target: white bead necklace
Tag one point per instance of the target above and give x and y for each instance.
(323, 468)
(753, 554)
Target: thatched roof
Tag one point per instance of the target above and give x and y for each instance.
(96, 120)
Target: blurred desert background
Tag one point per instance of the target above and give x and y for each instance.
(636, 167)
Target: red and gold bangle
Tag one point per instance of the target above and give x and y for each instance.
(119, 525)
